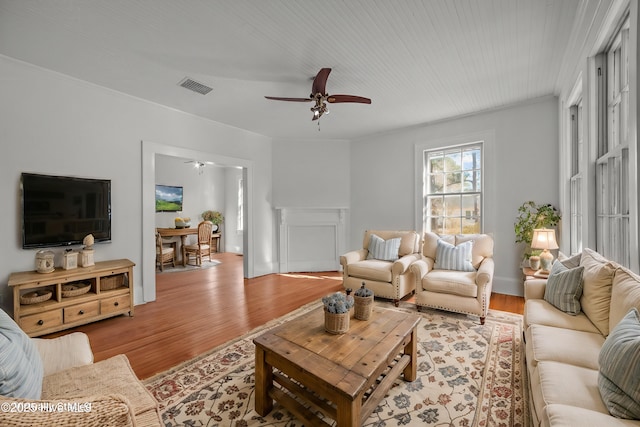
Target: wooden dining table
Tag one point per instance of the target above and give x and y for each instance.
(183, 233)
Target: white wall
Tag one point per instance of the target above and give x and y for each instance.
(522, 166)
(311, 173)
(55, 124)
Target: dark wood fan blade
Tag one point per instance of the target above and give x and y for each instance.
(277, 98)
(320, 82)
(348, 98)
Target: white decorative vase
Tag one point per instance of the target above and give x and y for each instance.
(534, 262)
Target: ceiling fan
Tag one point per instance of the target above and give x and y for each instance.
(320, 97)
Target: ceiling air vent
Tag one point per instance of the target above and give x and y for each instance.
(193, 85)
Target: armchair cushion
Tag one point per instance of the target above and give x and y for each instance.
(451, 282)
(409, 240)
(64, 352)
(21, 369)
(450, 257)
(482, 245)
(385, 250)
(372, 269)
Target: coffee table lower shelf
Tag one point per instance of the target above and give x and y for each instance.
(313, 402)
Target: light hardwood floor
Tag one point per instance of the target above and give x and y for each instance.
(196, 311)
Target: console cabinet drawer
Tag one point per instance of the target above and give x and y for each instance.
(110, 305)
(81, 311)
(41, 321)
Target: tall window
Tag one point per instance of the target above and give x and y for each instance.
(453, 189)
(577, 139)
(612, 164)
(240, 219)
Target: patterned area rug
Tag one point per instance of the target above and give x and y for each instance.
(468, 375)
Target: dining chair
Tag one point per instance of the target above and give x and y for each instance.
(165, 254)
(202, 247)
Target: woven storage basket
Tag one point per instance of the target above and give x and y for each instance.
(75, 289)
(336, 323)
(35, 297)
(112, 282)
(362, 307)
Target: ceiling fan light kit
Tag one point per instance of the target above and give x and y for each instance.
(320, 97)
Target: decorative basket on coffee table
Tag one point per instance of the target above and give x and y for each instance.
(362, 307)
(336, 323)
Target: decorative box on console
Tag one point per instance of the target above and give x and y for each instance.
(70, 260)
(86, 259)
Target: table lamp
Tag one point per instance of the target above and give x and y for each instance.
(545, 239)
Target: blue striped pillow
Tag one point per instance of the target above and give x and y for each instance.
(450, 257)
(21, 368)
(385, 250)
(619, 362)
(564, 288)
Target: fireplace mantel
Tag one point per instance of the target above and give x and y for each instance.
(310, 238)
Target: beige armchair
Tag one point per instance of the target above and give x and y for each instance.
(453, 290)
(391, 279)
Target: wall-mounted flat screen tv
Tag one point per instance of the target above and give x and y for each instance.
(168, 198)
(62, 210)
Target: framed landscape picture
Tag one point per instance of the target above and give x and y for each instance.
(168, 198)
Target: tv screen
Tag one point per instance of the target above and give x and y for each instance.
(61, 210)
(168, 198)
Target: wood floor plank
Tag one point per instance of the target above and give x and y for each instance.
(196, 311)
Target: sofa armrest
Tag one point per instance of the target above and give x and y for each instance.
(64, 352)
(484, 274)
(534, 288)
(401, 265)
(353, 256)
(107, 410)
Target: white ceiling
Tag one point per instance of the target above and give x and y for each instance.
(418, 60)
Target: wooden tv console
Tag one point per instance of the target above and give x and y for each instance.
(64, 312)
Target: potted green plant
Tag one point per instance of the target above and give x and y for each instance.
(214, 217)
(532, 216)
(337, 310)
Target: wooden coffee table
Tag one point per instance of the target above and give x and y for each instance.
(340, 375)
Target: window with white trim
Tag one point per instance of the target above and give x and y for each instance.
(452, 192)
(577, 139)
(240, 219)
(612, 163)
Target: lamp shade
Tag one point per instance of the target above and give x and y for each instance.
(544, 238)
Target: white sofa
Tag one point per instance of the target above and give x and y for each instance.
(563, 350)
(391, 279)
